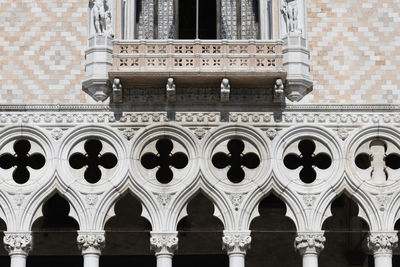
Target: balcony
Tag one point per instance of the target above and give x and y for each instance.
(250, 63)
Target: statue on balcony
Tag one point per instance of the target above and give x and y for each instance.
(101, 16)
(290, 13)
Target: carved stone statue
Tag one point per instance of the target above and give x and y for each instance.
(117, 90)
(101, 15)
(278, 91)
(290, 12)
(170, 89)
(225, 90)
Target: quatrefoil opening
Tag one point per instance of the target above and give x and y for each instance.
(235, 160)
(93, 160)
(379, 159)
(307, 160)
(164, 160)
(21, 160)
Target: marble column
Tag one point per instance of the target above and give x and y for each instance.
(309, 245)
(236, 245)
(381, 244)
(164, 245)
(18, 245)
(91, 244)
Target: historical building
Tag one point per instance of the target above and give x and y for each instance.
(200, 133)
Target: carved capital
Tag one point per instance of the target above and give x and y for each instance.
(236, 242)
(18, 242)
(91, 242)
(382, 242)
(164, 243)
(309, 242)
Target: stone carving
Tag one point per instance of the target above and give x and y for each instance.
(163, 199)
(343, 133)
(236, 200)
(278, 91)
(91, 199)
(17, 242)
(309, 200)
(382, 200)
(101, 17)
(171, 90)
(19, 199)
(382, 242)
(91, 242)
(271, 133)
(199, 132)
(290, 12)
(117, 90)
(225, 90)
(163, 242)
(236, 242)
(128, 133)
(309, 243)
(57, 133)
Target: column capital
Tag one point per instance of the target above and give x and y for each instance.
(382, 242)
(18, 243)
(91, 242)
(309, 242)
(164, 243)
(236, 242)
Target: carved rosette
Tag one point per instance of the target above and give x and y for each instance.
(236, 242)
(309, 242)
(18, 243)
(382, 242)
(164, 243)
(91, 243)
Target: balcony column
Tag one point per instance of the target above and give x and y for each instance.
(263, 18)
(18, 245)
(236, 245)
(382, 245)
(309, 245)
(91, 244)
(164, 245)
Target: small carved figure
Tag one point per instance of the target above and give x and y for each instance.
(290, 12)
(278, 91)
(117, 90)
(171, 92)
(225, 90)
(101, 12)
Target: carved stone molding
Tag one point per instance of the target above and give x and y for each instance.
(309, 242)
(18, 243)
(236, 242)
(382, 242)
(164, 243)
(91, 242)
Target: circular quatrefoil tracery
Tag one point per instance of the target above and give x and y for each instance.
(164, 160)
(93, 160)
(236, 160)
(308, 160)
(380, 159)
(21, 160)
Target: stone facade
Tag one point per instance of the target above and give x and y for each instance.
(212, 117)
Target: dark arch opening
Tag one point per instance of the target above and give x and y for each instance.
(346, 236)
(127, 236)
(4, 258)
(272, 235)
(200, 236)
(54, 236)
(207, 19)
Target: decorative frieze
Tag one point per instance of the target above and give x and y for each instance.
(382, 242)
(18, 243)
(309, 242)
(91, 242)
(164, 243)
(236, 242)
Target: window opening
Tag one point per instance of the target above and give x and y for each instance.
(197, 19)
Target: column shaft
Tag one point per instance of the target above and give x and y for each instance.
(310, 260)
(91, 260)
(236, 260)
(383, 260)
(164, 260)
(18, 260)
